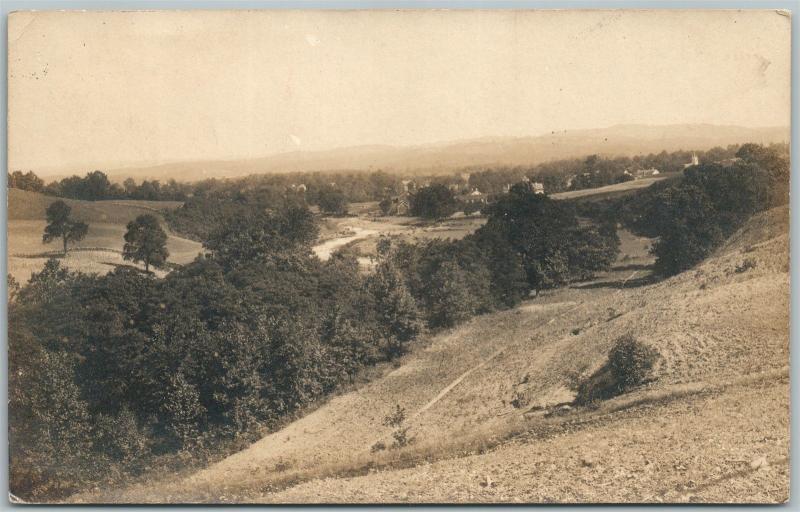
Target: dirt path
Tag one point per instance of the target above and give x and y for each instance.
(326, 248)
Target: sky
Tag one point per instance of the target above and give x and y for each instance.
(109, 89)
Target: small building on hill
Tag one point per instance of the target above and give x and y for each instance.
(643, 173)
(474, 197)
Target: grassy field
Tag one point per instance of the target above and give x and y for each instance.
(103, 242)
(24, 205)
(611, 190)
(713, 426)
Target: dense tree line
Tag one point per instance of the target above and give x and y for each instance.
(591, 171)
(693, 214)
(355, 186)
(529, 243)
(25, 181)
(95, 185)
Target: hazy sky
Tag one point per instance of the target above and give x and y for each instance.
(101, 90)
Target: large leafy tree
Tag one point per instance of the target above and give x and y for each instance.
(146, 241)
(61, 226)
(553, 247)
(434, 202)
(396, 308)
(332, 201)
(262, 236)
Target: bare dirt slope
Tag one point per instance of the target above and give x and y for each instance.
(712, 427)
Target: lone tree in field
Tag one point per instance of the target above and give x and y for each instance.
(59, 225)
(145, 241)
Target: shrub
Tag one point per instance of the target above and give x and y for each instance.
(631, 361)
(628, 365)
(746, 265)
(396, 418)
(400, 434)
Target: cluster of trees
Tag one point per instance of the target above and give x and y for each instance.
(332, 201)
(591, 171)
(696, 215)
(529, 243)
(434, 202)
(96, 186)
(25, 181)
(201, 215)
(110, 371)
(693, 214)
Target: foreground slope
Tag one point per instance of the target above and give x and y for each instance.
(712, 427)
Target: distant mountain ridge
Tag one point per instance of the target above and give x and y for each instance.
(619, 140)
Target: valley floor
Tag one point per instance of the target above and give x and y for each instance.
(712, 427)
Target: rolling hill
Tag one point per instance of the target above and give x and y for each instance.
(488, 151)
(100, 251)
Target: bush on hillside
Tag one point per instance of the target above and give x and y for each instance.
(628, 365)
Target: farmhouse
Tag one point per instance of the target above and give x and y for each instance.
(643, 173)
(474, 197)
(401, 205)
(536, 186)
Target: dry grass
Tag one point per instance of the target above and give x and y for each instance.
(107, 221)
(609, 190)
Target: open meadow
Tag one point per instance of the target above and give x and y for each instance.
(99, 252)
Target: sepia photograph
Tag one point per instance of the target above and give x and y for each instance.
(398, 256)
